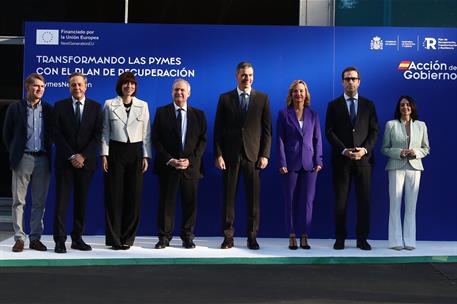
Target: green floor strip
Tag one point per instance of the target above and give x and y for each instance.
(221, 261)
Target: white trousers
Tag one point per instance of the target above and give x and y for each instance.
(400, 181)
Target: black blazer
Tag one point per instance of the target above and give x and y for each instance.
(166, 140)
(15, 131)
(341, 134)
(234, 131)
(68, 141)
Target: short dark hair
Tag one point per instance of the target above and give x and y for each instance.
(78, 74)
(349, 69)
(126, 77)
(31, 78)
(412, 104)
(243, 65)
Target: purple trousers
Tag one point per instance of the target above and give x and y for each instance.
(299, 188)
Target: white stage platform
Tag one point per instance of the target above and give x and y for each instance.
(272, 251)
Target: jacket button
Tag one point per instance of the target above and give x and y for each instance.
(353, 130)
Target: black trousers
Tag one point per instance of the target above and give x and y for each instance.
(252, 190)
(343, 174)
(123, 191)
(169, 185)
(67, 180)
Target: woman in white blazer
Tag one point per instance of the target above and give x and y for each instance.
(405, 143)
(125, 150)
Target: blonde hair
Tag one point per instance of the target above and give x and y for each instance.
(290, 100)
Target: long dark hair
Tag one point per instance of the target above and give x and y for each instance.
(412, 104)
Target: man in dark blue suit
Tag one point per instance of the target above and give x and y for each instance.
(27, 134)
(351, 128)
(77, 135)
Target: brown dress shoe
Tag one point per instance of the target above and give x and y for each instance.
(18, 246)
(37, 245)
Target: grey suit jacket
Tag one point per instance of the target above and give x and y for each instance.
(395, 139)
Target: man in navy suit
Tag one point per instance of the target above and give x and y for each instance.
(351, 128)
(242, 144)
(77, 134)
(27, 134)
(179, 135)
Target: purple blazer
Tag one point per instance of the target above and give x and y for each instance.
(299, 148)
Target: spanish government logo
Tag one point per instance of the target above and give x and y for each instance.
(404, 65)
(376, 43)
(47, 37)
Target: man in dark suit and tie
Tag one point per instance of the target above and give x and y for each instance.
(27, 133)
(179, 135)
(77, 135)
(351, 128)
(242, 143)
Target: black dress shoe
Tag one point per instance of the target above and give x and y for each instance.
(37, 245)
(252, 244)
(188, 244)
(363, 244)
(293, 243)
(60, 247)
(79, 244)
(339, 245)
(116, 247)
(161, 244)
(227, 243)
(125, 247)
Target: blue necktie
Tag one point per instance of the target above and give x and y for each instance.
(78, 114)
(244, 102)
(179, 126)
(352, 111)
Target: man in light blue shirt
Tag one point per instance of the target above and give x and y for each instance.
(27, 136)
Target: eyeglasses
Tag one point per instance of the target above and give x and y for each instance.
(351, 79)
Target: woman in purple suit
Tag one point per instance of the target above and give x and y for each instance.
(300, 158)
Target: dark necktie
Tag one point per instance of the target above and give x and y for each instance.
(244, 102)
(179, 126)
(78, 114)
(352, 110)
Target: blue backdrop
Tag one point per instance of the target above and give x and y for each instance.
(207, 56)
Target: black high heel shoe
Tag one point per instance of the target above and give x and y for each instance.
(293, 243)
(304, 242)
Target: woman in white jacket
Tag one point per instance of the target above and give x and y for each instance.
(125, 150)
(405, 143)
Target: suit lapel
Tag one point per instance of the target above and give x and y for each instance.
(191, 124)
(23, 112)
(361, 108)
(171, 117)
(344, 109)
(307, 120)
(235, 103)
(119, 111)
(294, 119)
(69, 112)
(85, 112)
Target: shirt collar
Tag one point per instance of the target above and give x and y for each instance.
(184, 107)
(82, 101)
(356, 97)
(247, 91)
(29, 104)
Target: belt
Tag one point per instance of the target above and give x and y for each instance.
(35, 153)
